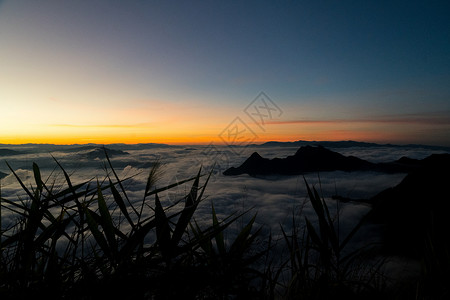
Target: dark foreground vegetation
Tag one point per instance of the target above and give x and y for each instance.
(89, 240)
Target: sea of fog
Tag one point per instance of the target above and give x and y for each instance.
(275, 199)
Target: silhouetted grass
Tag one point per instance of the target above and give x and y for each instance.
(89, 240)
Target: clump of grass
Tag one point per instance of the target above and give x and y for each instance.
(89, 240)
(230, 267)
(318, 265)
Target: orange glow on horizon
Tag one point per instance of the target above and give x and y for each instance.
(200, 134)
(203, 140)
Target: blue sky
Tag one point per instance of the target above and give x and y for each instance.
(173, 71)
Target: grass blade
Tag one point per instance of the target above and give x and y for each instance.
(107, 223)
(121, 204)
(98, 236)
(37, 177)
(219, 237)
(162, 229)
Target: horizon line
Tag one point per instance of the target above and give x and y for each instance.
(231, 145)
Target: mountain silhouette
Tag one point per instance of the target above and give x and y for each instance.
(8, 152)
(99, 153)
(317, 159)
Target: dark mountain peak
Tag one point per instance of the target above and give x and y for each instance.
(306, 149)
(253, 165)
(255, 155)
(406, 160)
(306, 159)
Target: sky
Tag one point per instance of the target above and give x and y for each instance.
(231, 72)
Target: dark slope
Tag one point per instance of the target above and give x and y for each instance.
(417, 208)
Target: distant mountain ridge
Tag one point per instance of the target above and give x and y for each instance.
(299, 143)
(34, 148)
(347, 144)
(317, 159)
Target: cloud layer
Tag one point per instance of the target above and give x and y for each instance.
(274, 198)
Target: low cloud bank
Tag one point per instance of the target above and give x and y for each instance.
(274, 199)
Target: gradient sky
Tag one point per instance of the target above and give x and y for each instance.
(188, 71)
